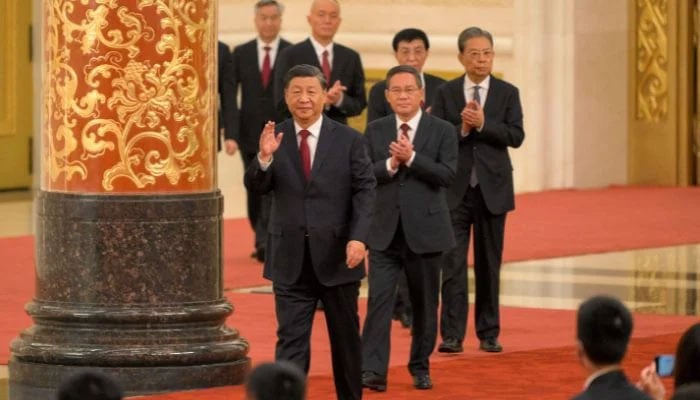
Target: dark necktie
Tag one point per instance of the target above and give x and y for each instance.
(305, 153)
(477, 96)
(404, 131)
(326, 67)
(265, 73)
(473, 180)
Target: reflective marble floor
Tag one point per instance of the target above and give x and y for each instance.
(654, 280)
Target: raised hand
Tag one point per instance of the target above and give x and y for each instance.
(269, 141)
(401, 149)
(473, 114)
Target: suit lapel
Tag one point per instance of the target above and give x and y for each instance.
(311, 53)
(458, 94)
(492, 94)
(422, 133)
(323, 146)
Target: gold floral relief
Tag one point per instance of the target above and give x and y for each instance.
(129, 96)
(652, 60)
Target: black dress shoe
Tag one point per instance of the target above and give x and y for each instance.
(373, 381)
(490, 345)
(450, 345)
(422, 382)
(260, 255)
(404, 318)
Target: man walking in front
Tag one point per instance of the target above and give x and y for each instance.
(323, 189)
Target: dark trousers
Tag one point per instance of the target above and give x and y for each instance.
(402, 305)
(295, 306)
(488, 251)
(422, 276)
(258, 207)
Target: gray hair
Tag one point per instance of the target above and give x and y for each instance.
(262, 3)
(470, 33)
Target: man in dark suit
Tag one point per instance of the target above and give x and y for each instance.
(415, 159)
(411, 47)
(323, 190)
(227, 94)
(603, 330)
(254, 64)
(341, 65)
(489, 118)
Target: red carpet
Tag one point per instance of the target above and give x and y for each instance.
(545, 225)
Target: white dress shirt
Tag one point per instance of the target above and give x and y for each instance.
(274, 45)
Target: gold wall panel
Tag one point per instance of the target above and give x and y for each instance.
(129, 96)
(8, 67)
(652, 60)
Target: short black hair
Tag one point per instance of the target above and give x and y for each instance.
(470, 33)
(604, 327)
(89, 385)
(409, 35)
(404, 69)
(280, 380)
(686, 368)
(305, 70)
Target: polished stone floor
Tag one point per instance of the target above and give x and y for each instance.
(653, 280)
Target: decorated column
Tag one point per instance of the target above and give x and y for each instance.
(128, 242)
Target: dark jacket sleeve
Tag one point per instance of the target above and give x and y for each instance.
(227, 92)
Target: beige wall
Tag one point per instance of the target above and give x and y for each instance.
(568, 58)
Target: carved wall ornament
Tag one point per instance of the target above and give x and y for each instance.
(652, 60)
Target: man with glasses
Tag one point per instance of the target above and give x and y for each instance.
(415, 159)
(411, 47)
(487, 114)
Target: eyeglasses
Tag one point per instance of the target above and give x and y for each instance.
(483, 53)
(410, 90)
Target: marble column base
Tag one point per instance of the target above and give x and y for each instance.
(131, 286)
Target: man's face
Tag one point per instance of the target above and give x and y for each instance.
(404, 95)
(477, 58)
(324, 19)
(412, 53)
(268, 22)
(305, 99)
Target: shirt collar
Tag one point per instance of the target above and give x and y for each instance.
(468, 84)
(314, 129)
(318, 48)
(273, 44)
(413, 122)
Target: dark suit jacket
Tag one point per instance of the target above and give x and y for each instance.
(487, 151)
(378, 107)
(612, 386)
(257, 103)
(346, 68)
(335, 206)
(228, 112)
(416, 194)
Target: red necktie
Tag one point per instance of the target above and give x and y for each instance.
(265, 73)
(326, 67)
(404, 131)
(305, 153)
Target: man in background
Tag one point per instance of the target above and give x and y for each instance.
(488, 116)
(411, 47)
(227, 115)
(341, 66)
(254, 64)
(603, 330)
